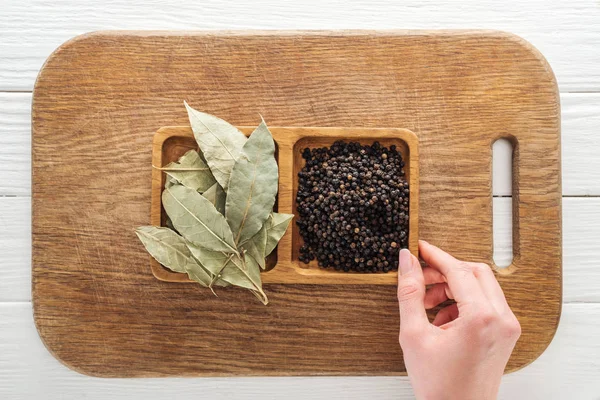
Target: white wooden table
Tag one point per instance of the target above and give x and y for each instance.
(566, 32)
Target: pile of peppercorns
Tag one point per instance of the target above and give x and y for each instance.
(353, 206)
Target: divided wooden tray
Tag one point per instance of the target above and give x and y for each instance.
(100, 98)
(283, 266)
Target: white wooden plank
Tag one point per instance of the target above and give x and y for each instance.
(581, 230)
(567, 33)
(502, 150)
(15, 144)
(568, 369)
(580, 146)
(581, 250)
(15, 249)
(502, 229)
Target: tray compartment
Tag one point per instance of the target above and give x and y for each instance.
(283, 265)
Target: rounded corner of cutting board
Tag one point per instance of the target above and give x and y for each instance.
(55, 56)
(549, 330)
(529, 48)
(56, 352)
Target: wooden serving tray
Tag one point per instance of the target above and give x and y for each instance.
(100, 98)
(283, 266)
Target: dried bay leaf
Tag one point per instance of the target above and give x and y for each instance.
(247, 276)
(191, 171)
(170, 182)
(198, 274)
(255, 247)
(199, 252)
(213, 261)
(166, 246)
(219, 204)
(231, 268)
(216, 195)
(253, 185)
(169, 224)
(219, 141)
(276, 227)
(197, 219)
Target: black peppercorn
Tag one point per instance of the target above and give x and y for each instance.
(353, 199)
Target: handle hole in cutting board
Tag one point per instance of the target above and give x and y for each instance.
(502, 189)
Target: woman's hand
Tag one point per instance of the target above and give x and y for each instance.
(462, 355)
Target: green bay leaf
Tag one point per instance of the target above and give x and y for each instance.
(198, 274)
(219, 141)
(231, 268)
(170, 182)
(216, 195)
(197, 219)
(166, 246)
(253, 185)
(247, 276)
(276, 227)
(191, 171)
(255, 246)
(169, 224)
(212, 261)
(200, 252)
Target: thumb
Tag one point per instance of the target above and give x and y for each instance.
(411, 295)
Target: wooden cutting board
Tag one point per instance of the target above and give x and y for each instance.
(99, 99)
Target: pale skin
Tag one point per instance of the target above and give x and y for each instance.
(463, 352)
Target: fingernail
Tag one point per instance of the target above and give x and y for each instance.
(405, 262)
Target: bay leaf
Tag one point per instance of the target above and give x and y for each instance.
(276, 227)
(255, 246)
(198, 274)
(247, 276)
(231, 268)
(197, 219)
(170, 182)
(252, 186)
(216, 195)
(212, 261)
(169, 224)
(211, 277)
(191, 171)
(166, 246)
(219, 141)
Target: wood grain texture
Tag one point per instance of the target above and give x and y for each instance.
(581, 230)
(99, 99)
(580, 167)
(170, 143)
(567, 369)
(568, 33)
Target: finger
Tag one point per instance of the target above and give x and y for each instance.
(411, 293)
(435, 257)
(461, 280)
(490, 286)
(433, 276)
(436, 295)
(446, 314)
